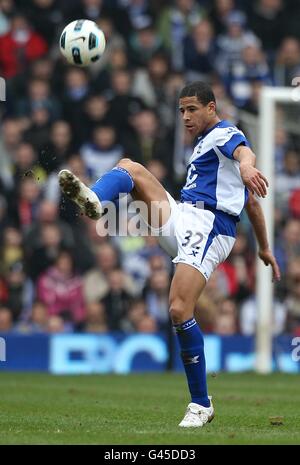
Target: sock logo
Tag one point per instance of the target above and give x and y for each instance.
(190, 360)
(188, 324)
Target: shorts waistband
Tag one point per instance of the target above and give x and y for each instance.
(222, 215)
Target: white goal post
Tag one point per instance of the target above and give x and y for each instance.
(270, 96)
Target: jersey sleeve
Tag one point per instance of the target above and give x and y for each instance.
(228, 139)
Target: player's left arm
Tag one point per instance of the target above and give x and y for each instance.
(253, 179)
(257, 219)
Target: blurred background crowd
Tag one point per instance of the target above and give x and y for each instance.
(57, 272)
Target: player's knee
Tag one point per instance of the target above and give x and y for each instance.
(125, 162)
(177, 310)
(131, 166)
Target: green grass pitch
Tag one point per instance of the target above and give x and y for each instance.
(146, 409)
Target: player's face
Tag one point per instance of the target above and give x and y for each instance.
(196, 117)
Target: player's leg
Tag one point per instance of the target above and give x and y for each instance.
(148, 190)
(126, 177)
(186, 287)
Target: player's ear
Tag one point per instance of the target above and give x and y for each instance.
(211, 108)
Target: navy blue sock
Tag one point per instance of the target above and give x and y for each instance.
(111, 184)
(192, 353)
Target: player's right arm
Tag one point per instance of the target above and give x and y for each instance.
(257, 220)
(253, 179)
(233, 144)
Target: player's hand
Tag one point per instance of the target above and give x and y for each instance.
(254, 180)
(268, 258)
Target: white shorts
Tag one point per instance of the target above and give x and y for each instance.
(198, 237)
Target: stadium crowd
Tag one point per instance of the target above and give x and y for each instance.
(57, 271)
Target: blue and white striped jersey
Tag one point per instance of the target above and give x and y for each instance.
(213, 175)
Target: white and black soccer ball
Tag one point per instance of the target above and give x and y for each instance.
(82, 42)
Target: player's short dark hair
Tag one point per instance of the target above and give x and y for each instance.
(199, 89)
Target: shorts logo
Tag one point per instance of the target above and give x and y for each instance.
(194, 253)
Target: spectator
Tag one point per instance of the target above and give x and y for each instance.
(150, 84)
(289, 179)
(156, 297)
(147, 144)
(24, 45)
(11, 136)
(26, 164)
(37, 321)
(24, 206)
(117, 300)
(6, 12)
(96, 284)
(19, 290)
(6, 321)
(46, 251)
(55, 324)
(114, 56)
(231, 44)
(287, 245)
(60, 288)
(287, 65)
(239, 268)
(95, 321)
(248, 317)
(226, 321)
(76, 92)
(96, 113)
(3, 216)
(219, 13)
(144, 43)
(199, 52)
(58, 148)
(48, 214)
(207, 307)
(147, 325)
(46, 16)
(95, 9)
(136, 312)
(252, 104)
(282, 144)
(293, 300)
(102, 153)
(174, 23)
(39, 127)
(294, 204)
(38, 97)
(268, 21)
(251, 67)
(122, 101)
(11, 248)
(139, 11)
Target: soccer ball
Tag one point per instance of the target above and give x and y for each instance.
(82, 42)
